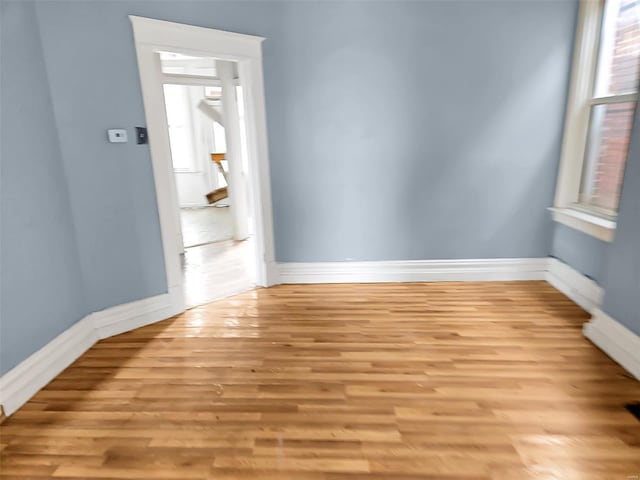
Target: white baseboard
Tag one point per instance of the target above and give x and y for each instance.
(578, 287)
(23, 381)
(122, 318)
(616, 340)
(497, 269)
(194, 205)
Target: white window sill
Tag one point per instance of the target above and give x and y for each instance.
(588, 223)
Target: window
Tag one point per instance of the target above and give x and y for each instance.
(602, 101)
(177, 105)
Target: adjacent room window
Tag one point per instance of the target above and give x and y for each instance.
(177, 103)
(603, 97)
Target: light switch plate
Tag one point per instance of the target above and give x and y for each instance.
(117, 135)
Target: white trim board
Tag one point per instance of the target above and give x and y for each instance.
(584, 222)
(23, 381)
(578, 287)
(497, 269)
(616, 340)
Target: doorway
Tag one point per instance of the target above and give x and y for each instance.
(204, 103)
(205, 110)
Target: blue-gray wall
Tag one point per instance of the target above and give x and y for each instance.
(587, 254)
(622, 279)
(40, 277)
(380, 149)
(419, 130)
(397, 130)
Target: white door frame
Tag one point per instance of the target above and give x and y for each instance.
(152, 36)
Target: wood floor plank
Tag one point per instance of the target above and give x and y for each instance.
(466, 381)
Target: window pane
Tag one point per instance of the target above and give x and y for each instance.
(176, 100)
(176, 63)
(606, 155)
(618, 62)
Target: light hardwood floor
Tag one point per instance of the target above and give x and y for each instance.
(340, 382)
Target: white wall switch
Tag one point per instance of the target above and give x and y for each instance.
(117, 135)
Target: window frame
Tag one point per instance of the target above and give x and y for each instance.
(567, 208)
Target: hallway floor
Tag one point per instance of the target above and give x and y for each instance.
(483, 381)
(206, 225)
(217, 270)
